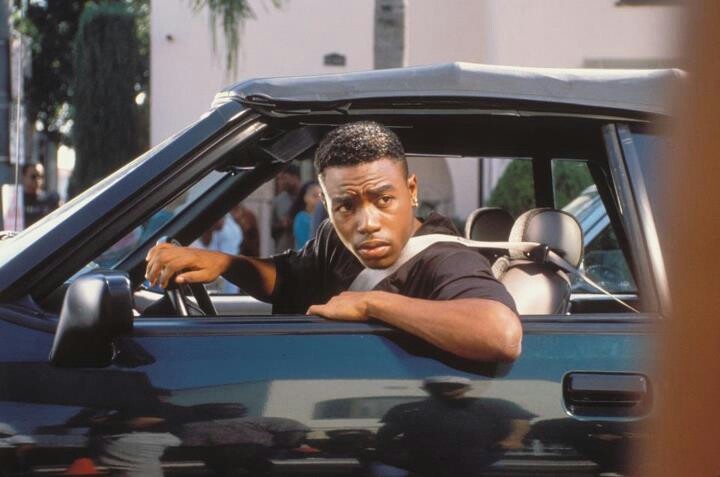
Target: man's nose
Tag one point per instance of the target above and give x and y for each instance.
(368, 222)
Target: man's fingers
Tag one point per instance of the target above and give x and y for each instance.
(165, 275)
(197, 276)
(315, 310)
(156, 249)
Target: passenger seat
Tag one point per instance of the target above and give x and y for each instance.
(489, 224)
(538, 287)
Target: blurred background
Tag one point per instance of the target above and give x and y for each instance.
(91, 85)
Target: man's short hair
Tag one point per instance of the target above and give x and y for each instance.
(357, 143)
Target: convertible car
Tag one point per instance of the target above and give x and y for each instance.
(90, 381)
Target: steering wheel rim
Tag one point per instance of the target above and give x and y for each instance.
(179, 296)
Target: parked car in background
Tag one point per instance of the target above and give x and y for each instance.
(88, 377)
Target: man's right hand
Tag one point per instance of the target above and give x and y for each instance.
(191, 265)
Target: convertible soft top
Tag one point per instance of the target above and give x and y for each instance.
(644, 91)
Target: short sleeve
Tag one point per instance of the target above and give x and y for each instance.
(297, 274)
(464, 273)
(321, 269)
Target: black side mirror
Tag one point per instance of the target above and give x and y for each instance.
(96, 309)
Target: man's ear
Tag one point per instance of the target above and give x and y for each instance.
(412, 183)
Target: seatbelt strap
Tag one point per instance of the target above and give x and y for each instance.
(369, 278)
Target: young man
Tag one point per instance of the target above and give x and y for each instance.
(445, 294)
(36, 201)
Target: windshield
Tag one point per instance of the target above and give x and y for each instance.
(11, 247)
(145, 231)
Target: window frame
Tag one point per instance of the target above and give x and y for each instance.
(621, 161)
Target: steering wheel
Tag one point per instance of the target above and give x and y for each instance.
(179, 294)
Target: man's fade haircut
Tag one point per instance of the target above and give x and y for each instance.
(358, 143)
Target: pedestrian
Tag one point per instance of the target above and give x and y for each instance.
(247, 221)
(288, 184)
(36, 202)
(302, 212)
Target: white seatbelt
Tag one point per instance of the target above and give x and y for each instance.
(370, 277)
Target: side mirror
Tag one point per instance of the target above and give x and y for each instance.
(96, 309)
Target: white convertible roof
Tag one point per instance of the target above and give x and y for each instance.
(645, 91)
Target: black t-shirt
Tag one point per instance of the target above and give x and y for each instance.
(443, 271)
(38, 206)
(448, 436)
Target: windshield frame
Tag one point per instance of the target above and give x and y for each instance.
(71, 236)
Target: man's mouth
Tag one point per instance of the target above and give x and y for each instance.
(373, 249)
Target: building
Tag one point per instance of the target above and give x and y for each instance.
(331, 36)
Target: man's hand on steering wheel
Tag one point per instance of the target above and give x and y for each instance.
(187, 265)
(190, 268)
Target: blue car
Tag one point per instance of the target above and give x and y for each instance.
(92, 382)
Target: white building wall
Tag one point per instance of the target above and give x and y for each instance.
(566, 33)
(186, 72)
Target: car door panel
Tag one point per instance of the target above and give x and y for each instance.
(337, 397)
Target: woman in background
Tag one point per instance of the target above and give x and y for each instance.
(302, 211)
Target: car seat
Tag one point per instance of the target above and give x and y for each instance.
(538, 286)
(489, 224)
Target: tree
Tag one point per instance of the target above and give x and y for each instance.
(515, 191)
(389, 34)
(51, 27)
(106, 55)
(233, 14)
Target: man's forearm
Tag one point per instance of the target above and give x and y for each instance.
(254, 275)
(472, 328)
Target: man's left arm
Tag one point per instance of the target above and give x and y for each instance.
(474, 328)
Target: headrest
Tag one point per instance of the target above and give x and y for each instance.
(491, 224)
(554, 228)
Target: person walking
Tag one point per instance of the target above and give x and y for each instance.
(36, 202)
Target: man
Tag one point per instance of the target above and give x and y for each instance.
(445, 294)
(281, 227)
(36, 202)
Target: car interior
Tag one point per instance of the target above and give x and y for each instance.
(539, 287)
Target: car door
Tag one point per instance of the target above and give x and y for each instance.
(296, 394)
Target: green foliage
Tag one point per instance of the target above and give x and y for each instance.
(515, 191)
(105, 131)
(570, 178)
(51, 27)
(232, 14)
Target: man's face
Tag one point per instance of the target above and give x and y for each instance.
(370, 206)
(33, 179)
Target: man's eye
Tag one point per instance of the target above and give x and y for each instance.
(385, 200)
(343, 208)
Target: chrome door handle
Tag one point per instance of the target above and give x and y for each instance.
(594, 394)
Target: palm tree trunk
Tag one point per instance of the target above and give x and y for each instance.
(389, 42)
